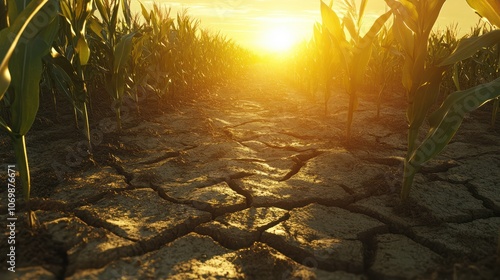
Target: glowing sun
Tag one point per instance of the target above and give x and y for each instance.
(278, 39)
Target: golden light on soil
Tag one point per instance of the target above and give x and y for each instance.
(278, 39)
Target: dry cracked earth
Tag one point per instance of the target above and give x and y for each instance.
(257, 183)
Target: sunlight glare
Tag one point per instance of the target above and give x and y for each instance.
(279, 39)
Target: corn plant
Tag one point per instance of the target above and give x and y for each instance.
(22, 70)
(384, 63)
(115, 47)
(483, 66)
(71, 52)
(413, 24)
(355, 51)
(157, 53)
(304, 71)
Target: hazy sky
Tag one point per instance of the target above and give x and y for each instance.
(247, 21)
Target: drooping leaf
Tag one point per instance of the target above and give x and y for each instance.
(489, 9)
(12, 35)
(447, 119)
(406, 11)
(468, 47)
(26, 70)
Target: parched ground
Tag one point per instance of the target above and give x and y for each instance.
(256, 182)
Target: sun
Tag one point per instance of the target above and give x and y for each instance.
(278, 39)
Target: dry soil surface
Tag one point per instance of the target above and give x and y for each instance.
(256, 182)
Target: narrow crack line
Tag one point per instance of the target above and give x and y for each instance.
(300, 161)
(487, 203)
(244, 123)
(188, 146)
(161, 193)
(91, 220)
(237, 188)
(164, 157)
(294, 170)
(238, 175)
(287, 205)
(121, 171)
(287, 148)
(393, 227)
(250, 160)
(48, 204)
(348, 190)
(263, 228)
(406, 231)
(138, 248)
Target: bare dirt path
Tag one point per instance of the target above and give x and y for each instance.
(257, 183)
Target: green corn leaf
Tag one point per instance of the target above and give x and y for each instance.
(5, 54)
(406, 11)
(83, 50)
(145, 13)
(126, 12)
(462, 102)
(96, 27)
(16, 29)
(446, 121)
(489, 9)
(114, 19)
(425, 96)
(26, 70)
(66, 10)
(4, 126)
(468, 47)
(102, 10)
(122, 52)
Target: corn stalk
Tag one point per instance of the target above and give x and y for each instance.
(22, 70)
(354, 52)
(414, 21)
(116, 48)
(65, 65)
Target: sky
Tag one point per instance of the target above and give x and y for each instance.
(258, 23)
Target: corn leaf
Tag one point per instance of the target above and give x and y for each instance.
(362, 9)
(96, 27)
(489, 9)
(122, 52)
(425, 96)
(145, 13)
(83, 50)
(332, 22)
(102, 10)
(370, 36)
(5, 53)
(66, 10)
(448, 118)
(406, 11)
(468, 47)
(17, 28)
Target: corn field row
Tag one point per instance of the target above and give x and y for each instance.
(82, 49)
(77, 46)
(435, 69)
